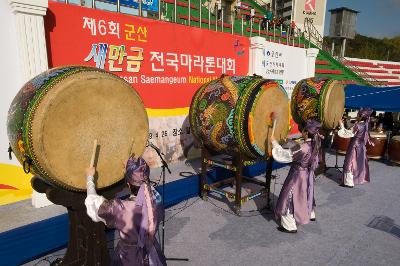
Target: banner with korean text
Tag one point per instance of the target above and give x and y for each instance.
(165, 63)
(283, 63)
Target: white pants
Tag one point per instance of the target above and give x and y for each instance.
(312, 215)
(348, 179)
(289, 223)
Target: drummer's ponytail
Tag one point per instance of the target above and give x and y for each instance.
(316, 147)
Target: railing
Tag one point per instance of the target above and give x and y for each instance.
(293, 37)
(312, 34)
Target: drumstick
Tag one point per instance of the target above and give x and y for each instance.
(93, 153)
(131, 150)
(273, 117)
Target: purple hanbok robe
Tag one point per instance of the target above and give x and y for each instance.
(298, 191)
(131, 219)
(356, 160)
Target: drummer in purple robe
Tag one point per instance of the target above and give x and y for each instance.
(137, 218)
(296, 204)
(355, 167)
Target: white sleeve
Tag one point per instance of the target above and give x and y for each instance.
(280, 154)
(93, 201)
(345, 133)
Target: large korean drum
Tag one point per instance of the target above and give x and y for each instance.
(394, 149)
(380, 141)
(318, 98)
(232, 115)
(56, 116)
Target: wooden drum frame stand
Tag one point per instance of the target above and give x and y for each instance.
(87, 243)
(234, 164)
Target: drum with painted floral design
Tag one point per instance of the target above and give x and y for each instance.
(318, 98)
(233, 114)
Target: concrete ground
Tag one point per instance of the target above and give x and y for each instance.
(359, 226)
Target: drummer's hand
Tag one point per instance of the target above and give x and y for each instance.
(273, 138)
(90, 171)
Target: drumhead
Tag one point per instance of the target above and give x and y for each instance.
(332, 104)
(396, 138)
(374, 134)
(272, 99)
(85, 106)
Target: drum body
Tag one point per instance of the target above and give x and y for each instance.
(341, 144)
(233, 115)
(56, 116)
(394, 149)
(318, 98)
(378, 150)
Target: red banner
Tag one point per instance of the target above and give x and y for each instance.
(165, 62)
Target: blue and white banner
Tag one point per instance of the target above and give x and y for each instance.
(149, 5)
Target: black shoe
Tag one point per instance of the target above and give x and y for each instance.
(343, 185)
(282, 229)
(313, 219)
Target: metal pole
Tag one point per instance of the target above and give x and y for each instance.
(292, 12)
(333, 47)
(242, 25)
(200, 19)
(343, 47)
(140, 8)
(159, 9)
(175, 11)
(269, 37)
(189, 9)
(118, 6)
(299, 37)
(232, 22)
(66, 1)
(93, 3)
(280, 34)
(274, 32)
(287, 36)
(222, 20)
(251, 27)
(209, 14)
(216, 17)
(252, 13)
(294, 33)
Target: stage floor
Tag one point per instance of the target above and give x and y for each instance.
(359, 226)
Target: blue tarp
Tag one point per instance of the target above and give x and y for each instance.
(385, 99)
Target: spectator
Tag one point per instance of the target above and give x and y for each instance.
(269, 15)
(380, 118)
(388, 121)
(264, 23)
(292, 27)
